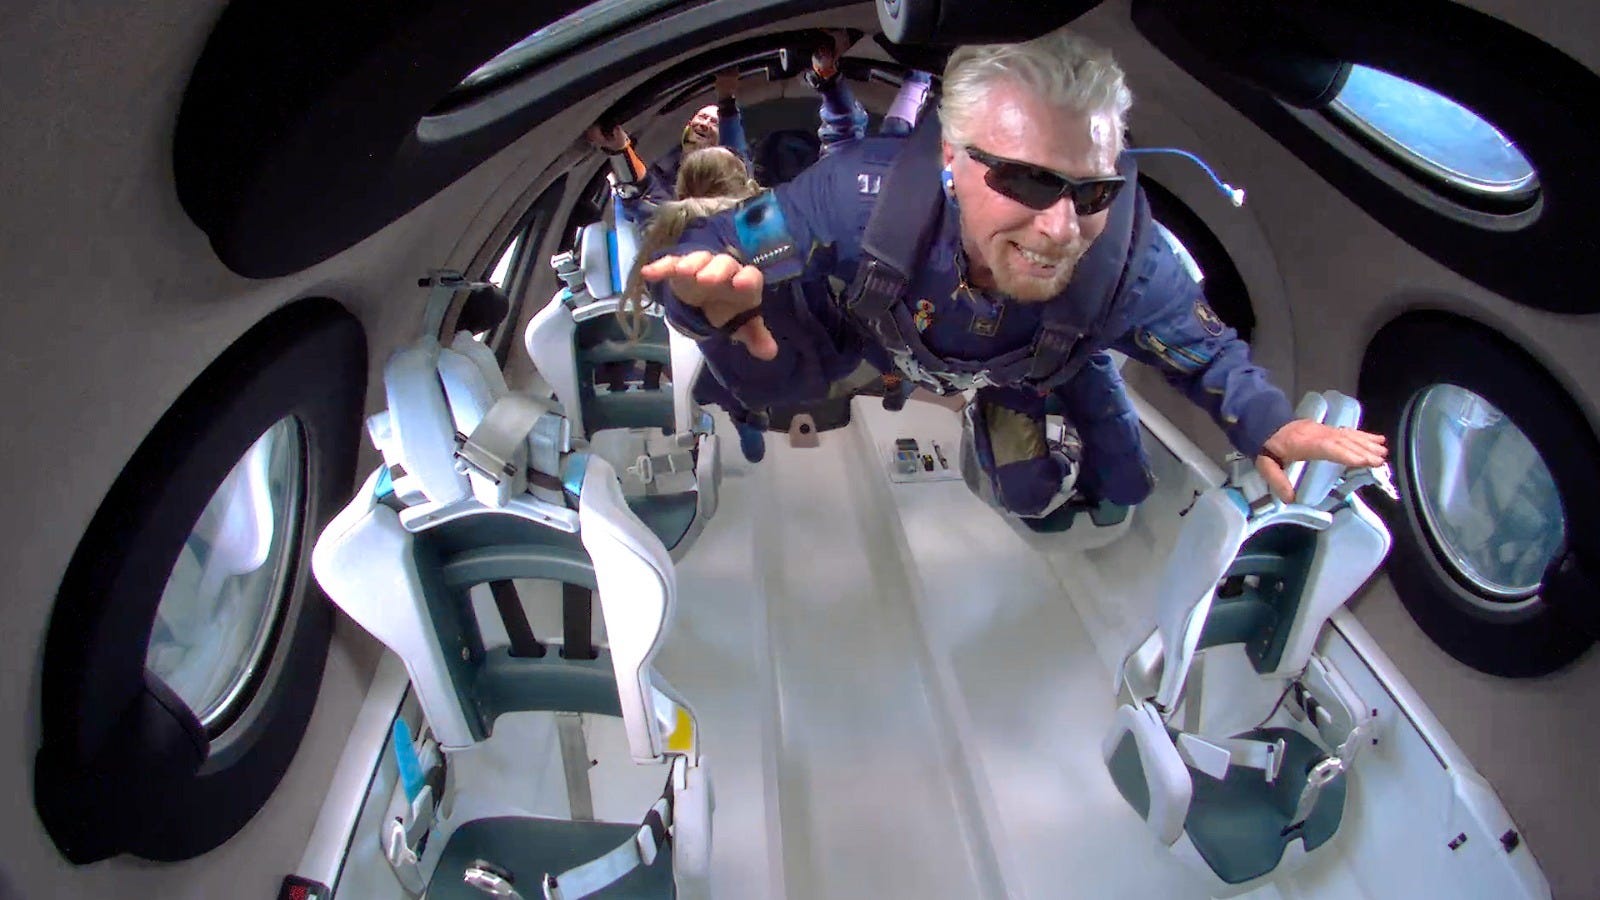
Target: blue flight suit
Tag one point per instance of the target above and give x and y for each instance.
(1165, 323)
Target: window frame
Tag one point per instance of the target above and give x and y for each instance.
(1493, 596)
(1451, 186)
(1514, 640)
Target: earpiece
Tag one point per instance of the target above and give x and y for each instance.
(948, 180)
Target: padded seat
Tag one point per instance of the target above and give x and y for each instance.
(513, 499)
(1258, 578)
(1238, 823)
(577, 335)
(532, 845)
(669, 516)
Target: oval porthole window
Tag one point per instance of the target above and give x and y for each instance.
(557, 38)
(1486, 496)
(1434, 135)
(1185, 258)
(221, 605)
(185, 651)
(1494, 461)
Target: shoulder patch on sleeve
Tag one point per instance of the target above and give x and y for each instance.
(764, 237)
(1209, 320)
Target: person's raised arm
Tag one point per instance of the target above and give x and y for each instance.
(1175, 330)
(730, 123)
(635, 185)
(724, 290)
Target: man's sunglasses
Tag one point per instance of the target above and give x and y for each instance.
(1039, 188)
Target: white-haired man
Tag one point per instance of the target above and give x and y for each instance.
(1006, 253)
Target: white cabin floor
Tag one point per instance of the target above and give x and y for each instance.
(903, 694)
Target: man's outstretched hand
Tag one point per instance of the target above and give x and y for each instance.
(721, 287)
(1303, 439)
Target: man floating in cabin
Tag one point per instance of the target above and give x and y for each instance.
(718, 124)
(1006, 253)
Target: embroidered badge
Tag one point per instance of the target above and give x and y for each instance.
(1209, 320)
(924, 315)
(986, 316)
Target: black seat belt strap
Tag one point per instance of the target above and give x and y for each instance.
(523, 641)
(577, 621)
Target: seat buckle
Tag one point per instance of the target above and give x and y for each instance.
(490, 880)
(647, 467)
(482, 461)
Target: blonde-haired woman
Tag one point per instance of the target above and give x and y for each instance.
(710, 181)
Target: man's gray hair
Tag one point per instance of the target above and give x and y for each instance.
(1064, 69)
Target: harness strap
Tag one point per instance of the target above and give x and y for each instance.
(640, 850)
(890, 251)
(517, 434)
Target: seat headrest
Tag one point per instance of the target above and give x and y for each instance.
(606, 254)
(597, 253)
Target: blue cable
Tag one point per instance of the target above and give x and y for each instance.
(1235, 195)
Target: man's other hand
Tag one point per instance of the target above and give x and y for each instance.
(1303, 439)
(721, 287)
(611, 141)
(727, 84)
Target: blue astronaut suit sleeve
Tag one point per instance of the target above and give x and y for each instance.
(730, 128)
(843, 117)
(1172, 328)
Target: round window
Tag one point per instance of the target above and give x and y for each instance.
(560, 36)
(1486, 496)
(1435, 134)
(220, 606)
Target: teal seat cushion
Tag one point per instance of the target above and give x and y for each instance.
(606, 329)
(1237, 823)
(630, 409)
(529, 847)
(668, 516)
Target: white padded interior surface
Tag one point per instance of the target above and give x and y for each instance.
(595, 258)
(1165, 774)
(422, 429)
(636, 592)
(548, 341)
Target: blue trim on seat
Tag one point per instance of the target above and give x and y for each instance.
(573, 471)
(611, 253)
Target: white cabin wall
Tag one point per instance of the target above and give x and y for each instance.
(114, 303)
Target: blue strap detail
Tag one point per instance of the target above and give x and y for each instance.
(405, 756)
(573, 469)
(611, 254)
(1239, 501)
(1235, 195)
(764, 238)
(385, 485)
